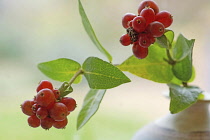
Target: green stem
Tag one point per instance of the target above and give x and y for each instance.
(75, 76)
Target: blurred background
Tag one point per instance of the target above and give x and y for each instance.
(34, 31)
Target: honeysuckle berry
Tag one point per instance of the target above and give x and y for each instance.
(26, 107)
(60, 124)
(156, 28)
(44, 97)
(165, 18)
(144, 40)
(139, 24)
(148, 3)
(58, 112)
(70, 103)
(148, 14)
(44, 84)
(33, 121)
(125, 40)
(139, 51)
(47, 123)
(127, 18)
(42, 113)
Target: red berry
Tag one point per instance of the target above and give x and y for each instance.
(148, 3)
(165, 18)
(56, 93)
(69, 102)
(139, 51)
(125, 40)
(44, 84)
(26, 107)
(156, 28)
(127, 18)
(47, 123)
(148, 14)
(33, 121)
(41, 113)
(144, 40)
(60, 124)
(44, 97)
(58, 112)
(139, 24)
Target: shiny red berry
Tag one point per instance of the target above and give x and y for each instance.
(148, 3)
(148, 14)
(127, 18)
(139, 24)
(47, 123)
(58, 112)
(165, 18)
(33, 121)
(69, 102)
(45, 97)
(44, 84)
(60, 124)
(156, 28)
(125, 40)
(42, 113)
(144, 40)
(26, 107)
(139, 51)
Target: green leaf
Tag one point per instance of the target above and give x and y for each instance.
(166, 40)
(65, 89)
(183, 69)
(179, 82)
(153, 67)
(182, 97)
(182, 48)
(91, 33)
(102, 75)
(60, 69)
(170, 36)
(90, 106)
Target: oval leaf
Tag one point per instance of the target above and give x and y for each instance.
(91, 33)
(90, 106)
(183, 69)
(102, 75)
(153, 67)
(182, 48)
(182, 97)
(60, 69)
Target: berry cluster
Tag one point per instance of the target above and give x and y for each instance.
(142, 30)
(48, 108)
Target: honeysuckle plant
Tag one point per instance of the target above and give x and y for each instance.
(169, 61)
